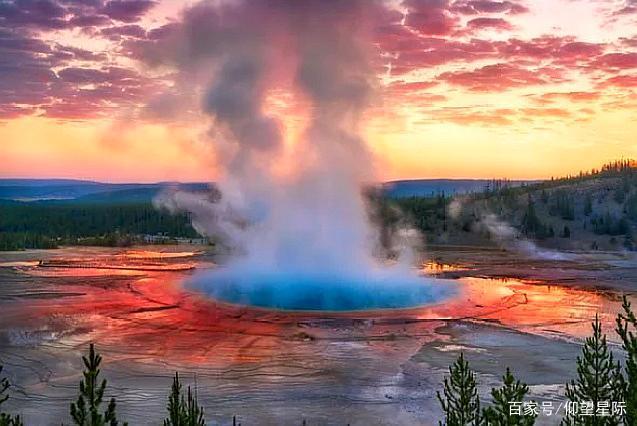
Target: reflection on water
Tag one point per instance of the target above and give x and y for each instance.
(17, 264)
(433, 268)
(532, 306)
(150, 254)
(84, 271)
(132, 305)
(147, 324)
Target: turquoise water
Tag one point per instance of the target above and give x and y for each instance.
(323, 291)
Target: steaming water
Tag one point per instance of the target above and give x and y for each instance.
(304, 227)
(323, 291)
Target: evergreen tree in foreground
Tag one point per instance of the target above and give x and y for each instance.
(599, 380)
(86, 410)
(460, 402)
(499, 414)
(183, 411)
(627, 330)
(6, 419)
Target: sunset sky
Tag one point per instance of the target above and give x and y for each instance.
(465, 89)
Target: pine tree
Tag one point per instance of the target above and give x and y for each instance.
(175, 409)
(588, 205)
(566, 233)
(500, 413)
(531, 223)
(85, 411)
(627, 330)
(7, 419)
(460, 403)
(183, 412)
(599, 380)
(4, 386)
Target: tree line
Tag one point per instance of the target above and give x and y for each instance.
(601, 202)
(47, 225)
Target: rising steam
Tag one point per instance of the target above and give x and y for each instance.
(303, 238)
(506, 235)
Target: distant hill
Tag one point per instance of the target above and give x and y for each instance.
(61, 190)
(40, 189)
(137, 194)
(596, 210)
(29, 190)
(45, 182)
(428, 187)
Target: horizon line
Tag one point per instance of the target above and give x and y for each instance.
(156, 182)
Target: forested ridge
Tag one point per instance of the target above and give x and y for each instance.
(590, 210)
(50, 224)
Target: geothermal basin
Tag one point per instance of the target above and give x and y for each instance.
(362, 364)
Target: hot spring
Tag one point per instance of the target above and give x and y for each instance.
(294, 205)
(323, 291)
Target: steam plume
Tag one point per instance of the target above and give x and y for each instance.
(310, 225)
(507, 236)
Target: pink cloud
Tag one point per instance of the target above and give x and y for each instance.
(402, 86)
(629, 7)
(625, 81)
(428, 52)
(430, 17)
(37, 72)
(617, 60)
(546, 112)
(494, 23)
(465, 116)
(573, 96)
(564, 50)
(488, 6)
(629, 41)
(501, 77)
(579, 49)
